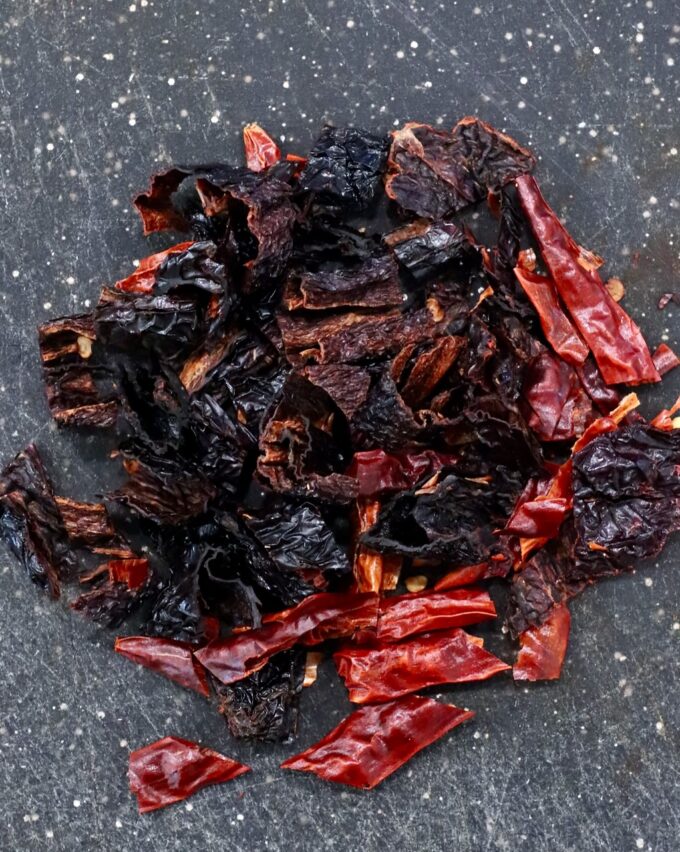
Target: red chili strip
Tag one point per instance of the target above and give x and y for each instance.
(403, 615)
(373, 742)
(317, 618)
(168, 657)
(387, 671)
(665, 359)
(614, 339)
(544, 648)
(557, 327)
(378, 472)
(172, 769)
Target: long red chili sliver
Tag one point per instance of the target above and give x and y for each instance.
(614, 339)
(386, 671)
(403, 615)
(556, 325)
(373, 742)
(168, 657)
(172, 769)
(315, 619)
(544, 648)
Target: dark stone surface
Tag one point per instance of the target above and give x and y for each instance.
(92, 97)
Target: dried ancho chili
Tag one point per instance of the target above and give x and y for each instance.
(340, 415)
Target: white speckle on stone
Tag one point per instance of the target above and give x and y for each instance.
(619, 657)
(171, 81)
(508, 36)
(649, 582)
(47, 305)
(557, 48)
(101, 714)
(118, 824)
(350, 24)
(639, 38)
(596, 50)
(49, 834)
(653, 199)
(400, 54)
(426, 794)
(132, 119)
(476, 11)
(670, 61)
(114, 104)
(15, 273)
(76, 803)
(640, 843)
(247, 78)
(188, 807)
(63, 706)
(108, 57)
(521, 105)
(659, 727)
(523, 80)
(80, 76)
(240, 817)
(646, 214)
(214, 118)
(286, 84)
(414, 45)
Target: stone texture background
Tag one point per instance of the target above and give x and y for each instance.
(92, 98)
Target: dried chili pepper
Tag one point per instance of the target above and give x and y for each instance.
(317, 618)
(168, 657)
(543, 648)
(173, 769)
(385, 670)
(373, 742)
(261, 150)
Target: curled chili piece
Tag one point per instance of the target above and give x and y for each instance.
(378, 472)
(612, 336)
(403, 615)
(173, 769)
(665, 359)
(261, 150)
(373, 742)
(387, 670)
(168, 657)
(319, 617)
(543, 648)
(143, 279)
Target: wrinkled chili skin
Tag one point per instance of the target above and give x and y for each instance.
(319, 617)
(383, 671)
(167, 657)
(172, 769)
(374, 741)
(543, 648)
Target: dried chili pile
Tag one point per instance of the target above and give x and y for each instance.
(344, 416)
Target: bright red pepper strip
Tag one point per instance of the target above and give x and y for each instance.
(261, 150)
(403, 615)
(373, 742)
(317, 618)
(544, 648)
(664, 419)
(386, 671)
(556, 325)
(168, 657)
(172, 769)
(133, 572)
(614, 339)
(665, 359)
(143, 278)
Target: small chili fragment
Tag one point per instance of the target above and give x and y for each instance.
(168, 657)
(403, 615)
(261, 150)
(544, 648)
(173, 769)
(373, 742)
(387, 670)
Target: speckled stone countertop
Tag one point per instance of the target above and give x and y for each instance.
(92, 98)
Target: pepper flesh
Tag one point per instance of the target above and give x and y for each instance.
(373, 742)
(168, 657)
(172, 769)
(543, 648)
(403, 615)
(387, 670)
(317, 618)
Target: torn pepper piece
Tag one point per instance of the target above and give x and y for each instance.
(378, 472)
(167, 657)
(665, 359)
(612, 336)
(317, 618)
(555, 403)
(373, 572)
(543, 648)
(121, 588)
(261, 150)
(155, 205)
(373, 742)
(173, 769)
(400, 616)
(386, 670)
